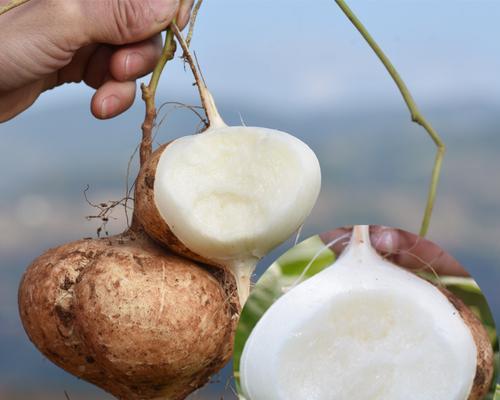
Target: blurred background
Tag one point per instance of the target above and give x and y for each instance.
(292, 65)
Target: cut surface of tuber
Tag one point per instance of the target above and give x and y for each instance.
(236, 192)
(228, 196)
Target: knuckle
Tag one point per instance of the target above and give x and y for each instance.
(69, 10)
(131, 18)
(68, 15)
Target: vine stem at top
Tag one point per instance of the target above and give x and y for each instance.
(416, 116)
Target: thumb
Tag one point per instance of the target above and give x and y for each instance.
(123, 21)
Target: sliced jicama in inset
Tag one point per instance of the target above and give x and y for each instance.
(366, 328)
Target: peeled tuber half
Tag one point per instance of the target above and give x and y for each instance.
(365, 328)
(229, 195)
(130, 317)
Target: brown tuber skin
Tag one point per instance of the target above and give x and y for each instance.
(128, 316)
(485, 362)
(123, 312)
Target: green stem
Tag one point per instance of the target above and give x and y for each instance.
(148, 95)
(416, 116)
(166, 55)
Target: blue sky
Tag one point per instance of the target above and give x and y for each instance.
(293, 54)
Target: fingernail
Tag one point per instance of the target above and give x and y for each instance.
(385, 241)
(109, 106)
(163, 10)
(133, 64)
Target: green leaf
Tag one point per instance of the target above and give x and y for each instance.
(497, 393)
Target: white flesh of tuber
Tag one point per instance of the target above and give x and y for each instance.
(362, 328)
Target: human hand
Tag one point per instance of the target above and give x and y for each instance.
(404, 249)
(108, 44)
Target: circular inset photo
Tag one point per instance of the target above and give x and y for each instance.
(366, 312)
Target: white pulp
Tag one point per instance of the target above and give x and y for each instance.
(361, 329)
(231, 194)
